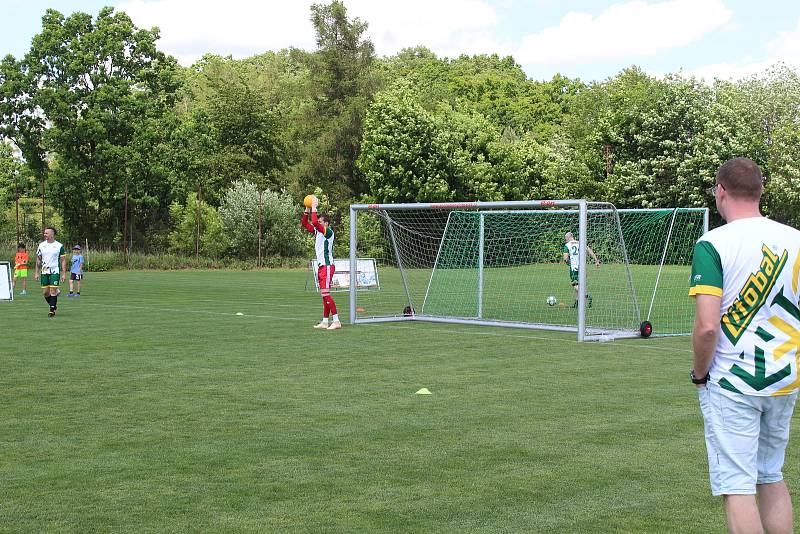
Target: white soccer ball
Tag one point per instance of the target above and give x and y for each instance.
(551, 301)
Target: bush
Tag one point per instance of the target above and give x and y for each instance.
(182, 239)
(281, 217)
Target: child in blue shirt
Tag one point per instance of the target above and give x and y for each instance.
(76, 271)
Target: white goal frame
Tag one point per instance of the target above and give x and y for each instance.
(581, 206)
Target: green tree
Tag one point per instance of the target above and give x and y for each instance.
(343, 81)
(404, 151)
(106, 92)
(183, 238)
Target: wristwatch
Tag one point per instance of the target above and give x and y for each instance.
(696, 380)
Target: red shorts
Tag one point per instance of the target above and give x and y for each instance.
(325, 276)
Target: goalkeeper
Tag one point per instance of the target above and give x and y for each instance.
(323, 246)
(572, 258)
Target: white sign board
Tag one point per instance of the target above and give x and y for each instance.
(366, 274)
(6, 291)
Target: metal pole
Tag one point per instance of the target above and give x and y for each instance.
(480, 266)
(353, 263)
(582, 270)
(16, 193)
(661, 266)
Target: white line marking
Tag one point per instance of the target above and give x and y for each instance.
(642, 346)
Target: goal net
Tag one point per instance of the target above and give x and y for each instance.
(502, 264)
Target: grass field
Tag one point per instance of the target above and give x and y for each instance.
(147, 405)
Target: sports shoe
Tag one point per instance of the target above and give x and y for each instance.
(321, 325)
(335, 325)
(51, 314)
(71, 294)
(23, 292)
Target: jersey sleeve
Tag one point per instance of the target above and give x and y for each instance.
(328, 232)
(706, 271)
(62, 252)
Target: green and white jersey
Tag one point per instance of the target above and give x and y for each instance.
(573, 249)
(323, 246)
(753, 265)
(50, 254)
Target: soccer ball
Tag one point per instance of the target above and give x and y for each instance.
(309, 201)
(551, 301)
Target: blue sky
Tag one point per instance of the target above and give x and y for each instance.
(589, 39)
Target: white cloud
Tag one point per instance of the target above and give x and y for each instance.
(439, 24)
(729, 71)
(190, 28)
(784, 48)
(623, 30)
(238, 27)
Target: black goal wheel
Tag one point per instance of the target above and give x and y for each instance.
(646, 329)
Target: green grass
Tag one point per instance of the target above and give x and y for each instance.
(148, 406)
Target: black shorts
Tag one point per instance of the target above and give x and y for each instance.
(73, 276)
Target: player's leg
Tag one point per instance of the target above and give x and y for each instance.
(731, 424)
(71, 278)
(78, 280)
(573, 279)
(24, 277)
(324, 290)
(54, 291)
(774, 501)
(44, 280)
(335, 323)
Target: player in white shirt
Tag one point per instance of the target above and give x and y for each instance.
(51, 268)
(323, 246)
(747, 323)
(572, 258)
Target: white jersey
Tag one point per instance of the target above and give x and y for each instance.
(753, 264)
(573, 249)
(50, 255)
(323, 246)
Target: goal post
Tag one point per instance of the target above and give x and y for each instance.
(502, 264)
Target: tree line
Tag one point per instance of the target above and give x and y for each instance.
(126, 147)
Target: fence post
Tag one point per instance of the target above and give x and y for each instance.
(198, 202)
(125, 225)
(260, 223)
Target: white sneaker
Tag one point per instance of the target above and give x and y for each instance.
(321, 325)
(335, 325)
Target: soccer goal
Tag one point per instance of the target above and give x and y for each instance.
(502, 264)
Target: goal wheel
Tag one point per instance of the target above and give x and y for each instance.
(646, 329)
(407, 311)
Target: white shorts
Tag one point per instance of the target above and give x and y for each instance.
(746, 438)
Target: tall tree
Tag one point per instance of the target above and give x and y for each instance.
(106, 92)
(21, 119)
(344, 81)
